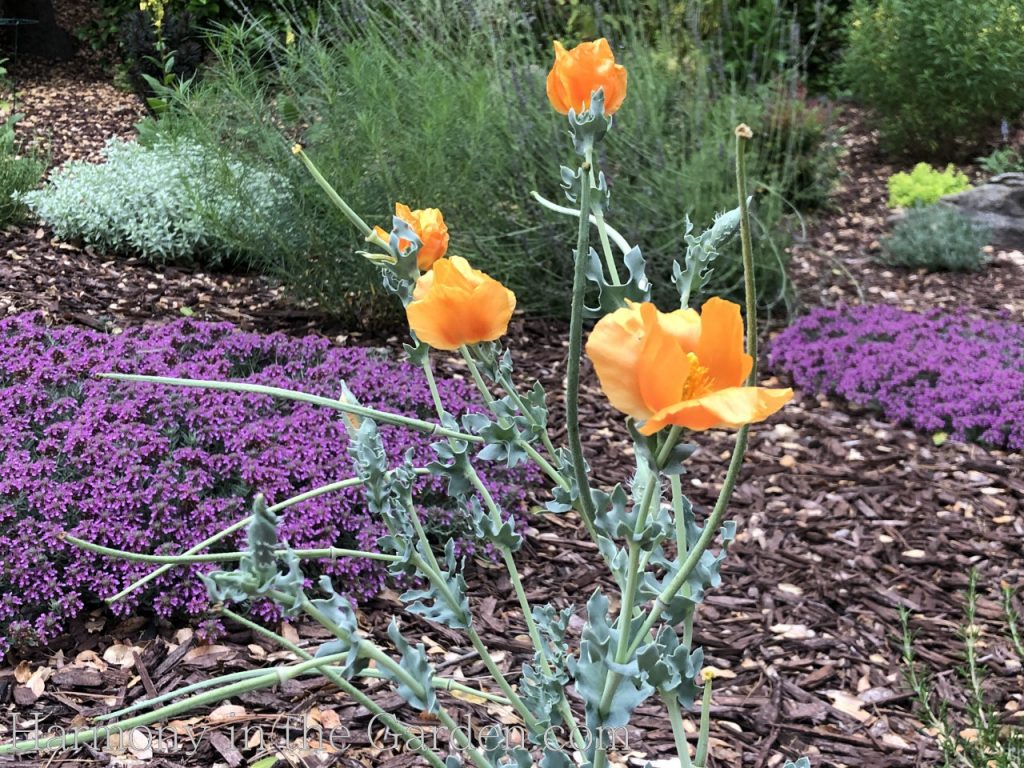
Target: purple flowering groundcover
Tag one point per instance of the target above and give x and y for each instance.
(157, 469)
(937, 371)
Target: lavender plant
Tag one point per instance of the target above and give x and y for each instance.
(667, 372)
(940, 372)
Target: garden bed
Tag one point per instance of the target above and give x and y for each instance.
(844, 519)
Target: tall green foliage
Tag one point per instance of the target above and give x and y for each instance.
(447, 107)
(939, 74)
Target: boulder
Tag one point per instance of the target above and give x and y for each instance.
(999, 205)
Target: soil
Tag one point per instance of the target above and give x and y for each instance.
(845, 520)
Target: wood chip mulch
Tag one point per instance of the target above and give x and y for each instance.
(845, 520)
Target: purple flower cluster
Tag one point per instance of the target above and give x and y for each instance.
(157, 469)
(934, 371)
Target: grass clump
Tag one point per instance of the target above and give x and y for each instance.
(937, 238)
(447, 109)
(982, 738)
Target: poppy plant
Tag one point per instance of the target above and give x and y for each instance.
(454, 304)
(577, 73)
(680, 368)
(429, 226)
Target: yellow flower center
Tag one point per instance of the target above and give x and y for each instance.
(698, 381)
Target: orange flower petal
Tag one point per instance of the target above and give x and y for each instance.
(663, 367)
(732, 407)
(454, 304)
(614, 347)
(720, 348)
(576, 74)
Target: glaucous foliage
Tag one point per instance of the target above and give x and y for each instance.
(936, 372)
(173, 202)
(138, 466)
(937, 238)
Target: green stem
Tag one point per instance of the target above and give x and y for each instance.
(747, 247)
(222, 557)
(675, 717)
(419, 425)
(701, 758)
(384, 661)
(92, 735)
(234, 528)
(721, 505)
(510, 565)
(532, 452)
(474, 371)
(620, 241)
(602, 229)
(680, 526)
(335, 198)
(572, 388)
(634, 571)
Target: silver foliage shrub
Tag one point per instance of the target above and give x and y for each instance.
(177, 202)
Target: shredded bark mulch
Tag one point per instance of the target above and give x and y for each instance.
(845, 520)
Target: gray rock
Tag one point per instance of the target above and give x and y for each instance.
(999, 205)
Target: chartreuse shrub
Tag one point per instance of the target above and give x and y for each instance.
(346, 82)
(672, 374)
(951, 375)
(938, 74)
(126, 465)
(938, 238)
(924, 185)
(175, 202)
(975, 734)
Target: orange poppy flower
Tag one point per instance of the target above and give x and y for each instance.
(679, 368)
(429, 226)
(454, 304)
(576, 74)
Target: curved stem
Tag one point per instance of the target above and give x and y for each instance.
(335, 198)
(266, 680)
(222, 557)
(620, 241)
(234, 528)
(731, 476)
(384, 661)
(510, 565)
(544, 465)
(419, 425)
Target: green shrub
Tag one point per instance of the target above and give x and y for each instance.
(448, 110)
(939, 74)
(924, 185)
(17, 174)
(1003, 160)
(751, 40)
(175, 202)
(937, 238)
